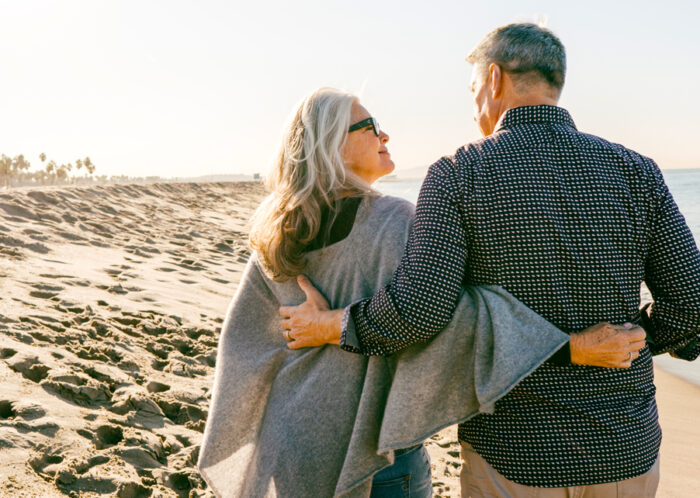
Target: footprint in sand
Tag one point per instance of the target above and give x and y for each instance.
(107, 435)
(157, 387)
(67, 473)
(184, 481)
(166, 269)
(78, 388)
(40, 336)
(7, 353)
(126, 319)
(214, 261)
(43, 291)
(112, 272)
(131, 399)
(28, 410)
(7, 410)
(43, 458)
(73, 237)
(114, 289)
(162, 351)
(223, 247)
(102, 353)
(189, 415)
(53, 276)
(29, 367)
(133, 490)
(159, 365)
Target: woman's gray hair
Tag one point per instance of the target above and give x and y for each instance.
(524, 50)
(307, 174)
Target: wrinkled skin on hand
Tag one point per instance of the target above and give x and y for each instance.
(606, 345)
(312, 323)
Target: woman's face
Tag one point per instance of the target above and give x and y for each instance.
(365, 153)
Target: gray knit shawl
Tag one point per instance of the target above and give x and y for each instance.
(322, 421)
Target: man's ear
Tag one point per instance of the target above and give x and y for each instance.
(496, 76)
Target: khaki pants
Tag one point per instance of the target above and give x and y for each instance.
(479, 479)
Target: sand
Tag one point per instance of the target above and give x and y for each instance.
(111, 300)
(679, 414)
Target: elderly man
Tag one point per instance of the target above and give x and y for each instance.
(571, 225)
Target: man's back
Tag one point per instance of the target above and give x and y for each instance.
(559, 218)
(571, 225)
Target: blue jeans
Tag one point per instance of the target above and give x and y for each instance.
(408, 477)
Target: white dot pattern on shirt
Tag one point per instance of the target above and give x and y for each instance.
(571, 225)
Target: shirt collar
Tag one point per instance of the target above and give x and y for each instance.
(534, 114)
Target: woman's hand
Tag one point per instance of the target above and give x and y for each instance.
(606, 345)
(312, 323)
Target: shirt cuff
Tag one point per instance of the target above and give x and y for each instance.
(348, 336)
(562, 356)
(689, 352)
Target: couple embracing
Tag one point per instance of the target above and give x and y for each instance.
(508, 302)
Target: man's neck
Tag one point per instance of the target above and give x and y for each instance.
(522, 101)
(527, 100)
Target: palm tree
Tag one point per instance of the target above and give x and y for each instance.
(40, 176)
(50, 171)
(19, 164)
(5, 169)
(62, 171)
(88, 165)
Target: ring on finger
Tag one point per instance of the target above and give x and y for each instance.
(286, 335)
(631, 356)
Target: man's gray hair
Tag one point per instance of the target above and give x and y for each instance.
(524, 50)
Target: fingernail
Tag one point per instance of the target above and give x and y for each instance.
(628, 325)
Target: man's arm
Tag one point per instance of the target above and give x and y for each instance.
(313, 323)
(424, 291)
(672, 273)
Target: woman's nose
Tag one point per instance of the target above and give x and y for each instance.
(383, 137)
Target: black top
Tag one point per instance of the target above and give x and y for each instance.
(341, 226)
(571, 225)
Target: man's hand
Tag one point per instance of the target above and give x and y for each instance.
(312, 323)
(606, 345)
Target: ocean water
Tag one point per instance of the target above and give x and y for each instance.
(685, 188)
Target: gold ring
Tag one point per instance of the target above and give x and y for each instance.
(286, 334)
(631, 354)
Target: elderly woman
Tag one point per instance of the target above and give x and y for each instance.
(319, 421)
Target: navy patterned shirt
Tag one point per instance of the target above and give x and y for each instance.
(571, 225)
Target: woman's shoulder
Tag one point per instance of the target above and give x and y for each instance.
(385, 218)
(383, 205)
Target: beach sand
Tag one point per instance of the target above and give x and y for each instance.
(679, 415)
(111, 300)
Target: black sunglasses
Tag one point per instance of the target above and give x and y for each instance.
(364, 124)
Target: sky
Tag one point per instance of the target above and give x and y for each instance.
(187, 88)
